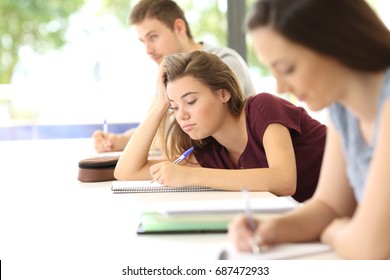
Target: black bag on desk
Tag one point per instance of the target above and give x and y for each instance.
(97, 169)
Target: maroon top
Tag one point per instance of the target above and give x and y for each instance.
(308, 138)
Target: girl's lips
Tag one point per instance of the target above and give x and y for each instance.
(187, 127)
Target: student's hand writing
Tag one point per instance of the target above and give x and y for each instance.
(243, 238)
(108, 143)
(170, 174)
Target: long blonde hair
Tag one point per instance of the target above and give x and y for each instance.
(210, 70)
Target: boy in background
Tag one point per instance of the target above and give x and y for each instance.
(163, 29)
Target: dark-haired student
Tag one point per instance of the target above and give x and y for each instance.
(336, 54)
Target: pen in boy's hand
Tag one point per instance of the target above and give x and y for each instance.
(250, 221)
(179, 159)
(105, 135)
(105, 128)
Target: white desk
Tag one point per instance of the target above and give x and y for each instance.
(55, 227)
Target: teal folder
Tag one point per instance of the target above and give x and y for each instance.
(154, 222)
(207, 215)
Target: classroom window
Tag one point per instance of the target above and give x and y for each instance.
(77, 62)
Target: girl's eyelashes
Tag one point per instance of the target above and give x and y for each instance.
(288, 70)
(192, 102)
(175, 108)
(283, 70)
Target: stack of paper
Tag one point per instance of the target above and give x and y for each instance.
(207, 216)
(279, 252)
(262, 205)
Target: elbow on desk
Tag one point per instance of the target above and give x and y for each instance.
(123, 174)
(285, 190)
(286, 186)
(122, 171)
(120, 174)
(356, 253)
(357, 247)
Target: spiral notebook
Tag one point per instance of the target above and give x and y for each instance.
(148, 187)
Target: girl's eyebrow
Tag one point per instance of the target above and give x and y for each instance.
(184, 95)
(276, 63)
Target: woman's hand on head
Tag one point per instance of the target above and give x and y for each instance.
(162, 97)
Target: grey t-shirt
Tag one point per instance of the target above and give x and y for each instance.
(236, 62)
(357, 152)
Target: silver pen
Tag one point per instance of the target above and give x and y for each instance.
(105, 128)
(250, 221)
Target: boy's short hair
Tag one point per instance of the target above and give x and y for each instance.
(166, 11)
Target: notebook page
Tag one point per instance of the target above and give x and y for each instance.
(278, 252)
(225, 206)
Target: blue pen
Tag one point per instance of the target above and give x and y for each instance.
(179, 159)
(183, 156)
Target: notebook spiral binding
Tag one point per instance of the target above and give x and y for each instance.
(158, 189)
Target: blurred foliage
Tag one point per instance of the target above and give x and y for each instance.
(212, 22)
(209, 22)
(119, 8)
(372, 3)
(40, 24)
